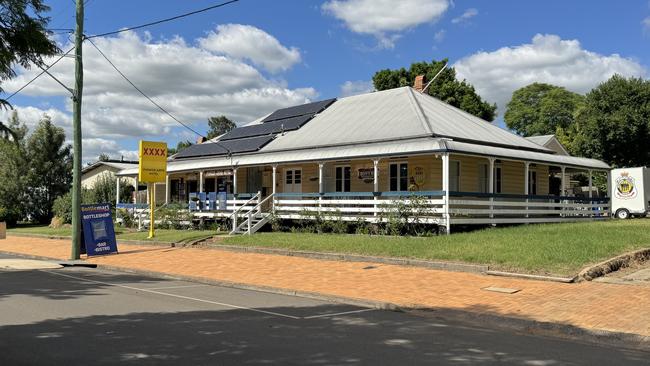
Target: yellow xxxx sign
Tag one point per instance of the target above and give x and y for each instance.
(153, 162)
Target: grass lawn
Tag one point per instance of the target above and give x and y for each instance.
(554, 249)
(168, 236)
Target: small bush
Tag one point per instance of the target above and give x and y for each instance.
(10, 216)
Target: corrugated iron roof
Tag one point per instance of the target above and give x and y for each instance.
(395, 114)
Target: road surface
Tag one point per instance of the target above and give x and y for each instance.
(81, 316)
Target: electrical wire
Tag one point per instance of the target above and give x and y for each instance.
(164, 20)
(140, 90)
(40, 74)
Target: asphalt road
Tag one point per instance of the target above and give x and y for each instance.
(75, 316)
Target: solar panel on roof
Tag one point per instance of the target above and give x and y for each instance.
(222, 147)
(299, 110)
(287, 124)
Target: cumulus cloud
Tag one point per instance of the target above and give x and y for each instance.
(384, 19)
(548, 59)
(350, 88)
(191, 82)
(247, 42)
(466, 16)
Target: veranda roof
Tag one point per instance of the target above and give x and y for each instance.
(425, 145)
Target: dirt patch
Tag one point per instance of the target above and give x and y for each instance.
(624, 261)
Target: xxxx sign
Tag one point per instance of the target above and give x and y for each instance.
(153, 162)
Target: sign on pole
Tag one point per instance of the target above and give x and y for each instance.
(97, 229)
(152, 169)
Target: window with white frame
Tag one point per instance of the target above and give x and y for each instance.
(497, 179)
(342, 179)
(483, 178)
(454, 175)
(532, 182)
(398, 176)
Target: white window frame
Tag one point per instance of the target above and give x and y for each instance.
(533, 182)
(498, 178)
(399, 163)
(342, 166)
(293, 179)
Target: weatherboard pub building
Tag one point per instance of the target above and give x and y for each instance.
(351, 157)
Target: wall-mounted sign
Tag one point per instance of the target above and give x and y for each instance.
(97, 230)
(625, 187)
(366, 174)
(153, 162)
(418, 175)
(218, 173)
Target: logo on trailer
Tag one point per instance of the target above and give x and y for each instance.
(625, 186)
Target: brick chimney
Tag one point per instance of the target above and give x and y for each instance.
(419, 83)
(200, 140)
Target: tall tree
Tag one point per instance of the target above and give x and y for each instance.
(13, 173)
(614, 126)
(103, 157)
(23, 36)
(542, 109)
(445, 87)
(219, 125)
(50, 168)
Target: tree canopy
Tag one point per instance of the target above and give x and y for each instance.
(50, 168)
(23, 36)
(182, 145)
(542, 109)
(614, 125)
(219, 125)
(445, 87)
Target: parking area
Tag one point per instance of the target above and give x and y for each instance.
(92, 316)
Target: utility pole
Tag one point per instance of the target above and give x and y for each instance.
(76, 121)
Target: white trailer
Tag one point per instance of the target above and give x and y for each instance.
(631, 192)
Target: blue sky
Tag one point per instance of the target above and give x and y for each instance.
(249, 58)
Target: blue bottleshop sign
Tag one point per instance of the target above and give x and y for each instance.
(97, 229)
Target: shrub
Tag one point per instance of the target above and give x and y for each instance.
(62, 208)
(10, 216)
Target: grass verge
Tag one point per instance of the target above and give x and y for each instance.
(548, 249)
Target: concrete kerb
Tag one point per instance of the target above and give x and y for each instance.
(526, 326)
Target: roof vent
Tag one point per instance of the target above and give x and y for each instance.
(201, 140)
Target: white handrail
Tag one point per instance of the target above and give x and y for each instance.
(259, 205)
(256, 196)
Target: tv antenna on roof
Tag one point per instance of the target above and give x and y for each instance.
(434, 78)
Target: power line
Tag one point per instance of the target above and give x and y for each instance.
(164, 20)
(40, 74)
(140, 90)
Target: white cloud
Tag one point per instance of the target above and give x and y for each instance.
(548, 59)
(439, 36)
(646, 25)
(251, 43)
(384, 19)
(350, 88)
(466, 16)
(189, 81)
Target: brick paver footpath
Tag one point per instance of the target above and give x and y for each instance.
(588, 305)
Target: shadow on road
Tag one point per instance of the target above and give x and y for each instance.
(233, 337)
